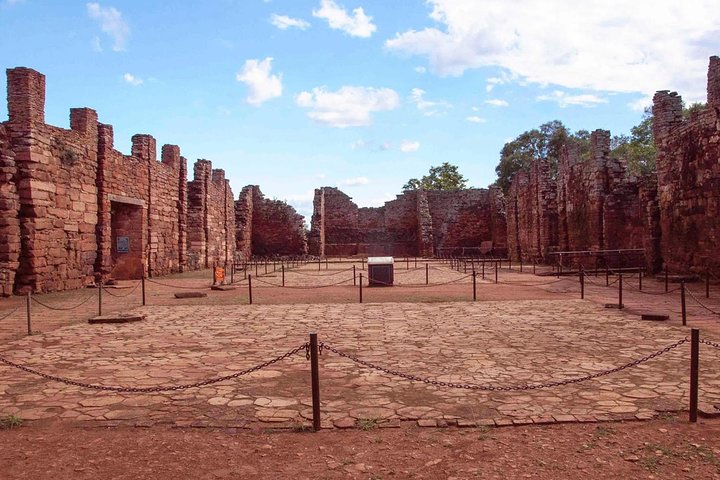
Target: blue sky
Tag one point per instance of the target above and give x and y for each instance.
(361, 94)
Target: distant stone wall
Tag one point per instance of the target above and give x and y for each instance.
(266, 227)
(415, 223)
(688, 179)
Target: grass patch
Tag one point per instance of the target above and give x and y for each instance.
(367, 424)
(10, 422)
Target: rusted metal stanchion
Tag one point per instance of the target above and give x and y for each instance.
(415, 263)
(29, 314)
(521, 265)
(315, 380)
(620, 292)
(496, 272)
(582, 283)
(214, 277)
(474, 286)
(266, 270)
(256, 269)
(607, 276)
(427, 274)
(143, 289)
(509, 263)
(100, 298)
(318, 264)
(354, 278)
(326, 263)
(682, 303)
(250, 289)
(534, 265)
(407, 263)
(232, 272)
(666, 279)
(361, 288)
(640, 270)
(283, 275)
(694, 370)
(707, 283)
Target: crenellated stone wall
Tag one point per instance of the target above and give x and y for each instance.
(415, 223)
(688, 178)
(266, 227)
(74, 209)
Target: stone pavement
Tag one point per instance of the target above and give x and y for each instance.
(498, 343)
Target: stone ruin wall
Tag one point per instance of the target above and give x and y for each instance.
(673, 216)
(688, 179)
(211, 217)
(64, 192)
(593, 204)
(266, 227)
(415, 223)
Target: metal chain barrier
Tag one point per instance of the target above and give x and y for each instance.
(10, 312)
(692, 295)
(107, 290)
(319, 275)
(62, 308)
(202, 383)
(304, 288)
(422, 285)
(710, 343)
(176, 286)
(532, 284)
(499, 388)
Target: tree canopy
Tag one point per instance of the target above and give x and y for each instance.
(444, 177)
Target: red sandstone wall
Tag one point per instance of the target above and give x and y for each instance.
(211, 217)
(414, 223)
(688, 179)
(268, 227)
(9, 210)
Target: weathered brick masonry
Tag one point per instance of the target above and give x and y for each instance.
(415, 223)
(266, 227)
(688, 178)
(594, 204)
(72, 207)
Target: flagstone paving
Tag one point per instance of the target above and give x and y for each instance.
(490, 343)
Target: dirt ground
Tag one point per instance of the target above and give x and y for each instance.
(664, 448)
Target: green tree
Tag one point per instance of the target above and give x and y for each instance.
(637, 149)
(544, 142)
(444, 177)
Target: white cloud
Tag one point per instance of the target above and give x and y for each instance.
(421, 70)
(96, 45)
(111, 22)
(132, 80)
(475, 119)
(262, 86)
(427, 107)
(496, 102)
(283, 22)
(356, 25)
(347, 107)
(563, 99)
(409, 146)
(353, 182)
(597, 45)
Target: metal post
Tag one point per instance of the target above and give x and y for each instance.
(582, 283)
(361, 288)
(232, 272)
(256, 269)
(640, 279)
(534, 265)
(474, 286)
(496, 272)
(100, 298)
(694, 369)
(250, 288)
(362, 263)
(283, 275)
(213, 273)
(266, 271)
(407, 263)
(318, 264)
(354, 277)
(707, 283)
(29, 314)
(143, 289)
(682, 303)
(315, 380)
(666, 279)
(326, 263)
(607, 276)
(415, 262)
(483, 269)
(620, 292)
(521, 265)
(427, 274)
(509, 263)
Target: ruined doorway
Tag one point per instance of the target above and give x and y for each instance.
(127, 247)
